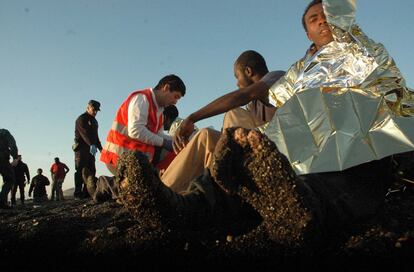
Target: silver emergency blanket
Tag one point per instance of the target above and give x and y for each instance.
(345, 104)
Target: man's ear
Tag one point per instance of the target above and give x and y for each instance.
(166, 87)
(307, 34)
(248, 71)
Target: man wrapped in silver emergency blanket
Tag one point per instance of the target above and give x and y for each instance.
(344, 104)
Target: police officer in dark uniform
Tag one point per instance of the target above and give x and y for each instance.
(86, 145)
(7, 147)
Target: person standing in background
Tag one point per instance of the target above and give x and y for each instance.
(86, 145)
(38, 187)
(21, 174)
(58, 171)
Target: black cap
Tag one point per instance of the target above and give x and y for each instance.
(95, 104)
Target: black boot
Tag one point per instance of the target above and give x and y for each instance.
(89, 180)
(149, 200)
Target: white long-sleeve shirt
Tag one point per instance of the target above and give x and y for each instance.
(138, 119)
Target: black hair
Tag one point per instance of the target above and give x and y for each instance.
(176, 84)
(56, 159)
(311, 4)
(253, 60)
(171, 112)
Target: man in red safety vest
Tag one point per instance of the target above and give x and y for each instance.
(138, 123)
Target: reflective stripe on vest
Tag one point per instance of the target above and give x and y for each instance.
(118, 141)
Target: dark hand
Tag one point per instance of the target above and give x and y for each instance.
(183, 133)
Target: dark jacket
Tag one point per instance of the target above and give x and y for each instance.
(7, 145)
(86, 132)
(21, 172)
(38, 186)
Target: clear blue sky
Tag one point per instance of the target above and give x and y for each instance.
(55, 55)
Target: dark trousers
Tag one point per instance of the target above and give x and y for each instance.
(343, 197)
(336, 199)
(19, 185)
(82, 159)
(6, 170)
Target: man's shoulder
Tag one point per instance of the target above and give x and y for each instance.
(82, 116)
(277, 72)
(272, 77)
(86, 117)
(5, 133)
(142, 96)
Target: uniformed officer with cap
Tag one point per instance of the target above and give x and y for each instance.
(86, 145)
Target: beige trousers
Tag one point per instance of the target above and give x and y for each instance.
(198, 154)
(192, 160)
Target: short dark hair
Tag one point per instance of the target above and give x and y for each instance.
(253, 60)
(176, 84)
(56, 159)
(311, 4)
(171, 112)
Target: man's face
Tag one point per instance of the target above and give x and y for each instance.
(242, 78)
(171, 97)
(91, 110)
(318, 30)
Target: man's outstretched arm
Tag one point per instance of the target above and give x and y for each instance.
(240, 97)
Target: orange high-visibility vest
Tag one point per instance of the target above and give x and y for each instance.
(118, 141)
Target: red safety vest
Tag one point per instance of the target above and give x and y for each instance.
(118, 141)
